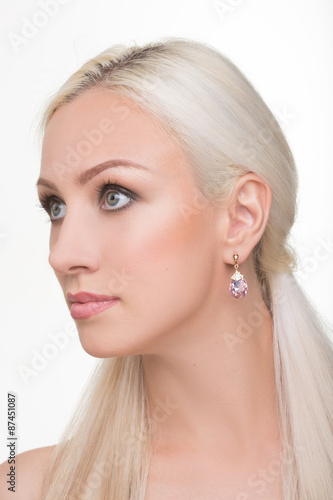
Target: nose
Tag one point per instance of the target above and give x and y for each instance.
(74, 247)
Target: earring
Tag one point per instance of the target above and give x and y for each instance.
(238, 286)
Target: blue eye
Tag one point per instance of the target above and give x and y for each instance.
(53, 206)
(115, 198)
(112, 199)
(113, 193)
(57, 208)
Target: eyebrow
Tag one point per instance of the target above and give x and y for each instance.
(87, 175)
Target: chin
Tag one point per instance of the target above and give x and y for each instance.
(100, 347)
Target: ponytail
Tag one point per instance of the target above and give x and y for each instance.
(303, 357)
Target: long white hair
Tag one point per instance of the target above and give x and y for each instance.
(226, 130)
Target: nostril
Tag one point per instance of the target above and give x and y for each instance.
(77, 268)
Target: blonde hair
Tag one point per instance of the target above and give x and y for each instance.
(226, 130)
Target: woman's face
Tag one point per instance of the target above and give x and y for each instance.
(156, 254)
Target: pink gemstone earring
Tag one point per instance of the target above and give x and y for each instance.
(238, 286)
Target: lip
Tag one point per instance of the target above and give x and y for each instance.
(86, 304)
(84, 297)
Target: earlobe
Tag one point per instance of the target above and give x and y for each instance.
(248, 212)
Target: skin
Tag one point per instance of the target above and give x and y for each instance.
(217, 425)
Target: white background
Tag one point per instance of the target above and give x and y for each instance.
(284, 47)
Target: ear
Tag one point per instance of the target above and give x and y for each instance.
(247, 215)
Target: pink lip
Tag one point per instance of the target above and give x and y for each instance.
(85, 304)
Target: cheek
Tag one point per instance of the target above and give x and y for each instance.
(162, 269)
(163, 257)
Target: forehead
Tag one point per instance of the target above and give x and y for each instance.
(99, 125)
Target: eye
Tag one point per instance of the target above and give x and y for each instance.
(55, 209)
(115, 197)
(53, 206)
(112, 199)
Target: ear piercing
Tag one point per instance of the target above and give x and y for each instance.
(238, 286)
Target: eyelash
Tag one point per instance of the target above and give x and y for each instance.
(102, 189)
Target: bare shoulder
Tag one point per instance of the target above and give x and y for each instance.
(23, 479)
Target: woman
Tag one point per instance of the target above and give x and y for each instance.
(171, 192)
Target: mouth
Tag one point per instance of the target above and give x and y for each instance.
(86, 304)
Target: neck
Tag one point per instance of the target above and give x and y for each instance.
(213, 383)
